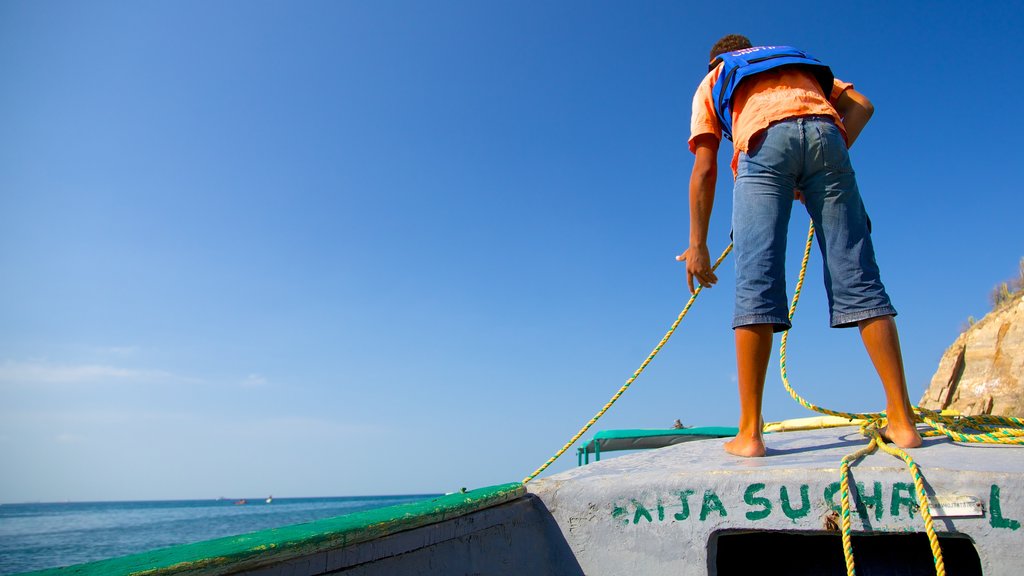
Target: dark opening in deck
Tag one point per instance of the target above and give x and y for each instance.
(818, 554)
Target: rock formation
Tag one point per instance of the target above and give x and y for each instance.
(983, 371)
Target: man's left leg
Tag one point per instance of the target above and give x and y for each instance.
(762, 203)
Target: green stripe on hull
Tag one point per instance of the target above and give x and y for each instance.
(268, 547)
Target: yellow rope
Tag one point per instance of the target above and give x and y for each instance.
(844, 484)
(869, 429)
(988, 428)
(632, 378)
(922, 497)
(991, 429)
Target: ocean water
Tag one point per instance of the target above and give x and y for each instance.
(38, 536)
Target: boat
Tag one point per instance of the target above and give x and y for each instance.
(685, 509)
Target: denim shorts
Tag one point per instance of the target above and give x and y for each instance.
(810, 154)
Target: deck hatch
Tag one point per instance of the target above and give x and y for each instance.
(819, 554)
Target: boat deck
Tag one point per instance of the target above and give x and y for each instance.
(670, 511)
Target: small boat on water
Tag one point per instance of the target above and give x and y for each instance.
(686, 509)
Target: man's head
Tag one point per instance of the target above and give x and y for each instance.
(729, 43)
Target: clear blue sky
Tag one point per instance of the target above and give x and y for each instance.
(365, 247)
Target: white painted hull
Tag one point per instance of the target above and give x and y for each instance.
(666, 511)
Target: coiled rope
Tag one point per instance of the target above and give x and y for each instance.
(989, 429)
(869, 429)
(986, 428)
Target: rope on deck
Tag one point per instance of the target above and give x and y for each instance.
(991, 429)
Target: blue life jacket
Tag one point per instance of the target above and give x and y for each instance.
(742, 64)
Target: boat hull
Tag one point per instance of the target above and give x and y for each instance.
(687, 510)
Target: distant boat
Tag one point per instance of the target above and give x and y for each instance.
(240, 502)
(270, 499)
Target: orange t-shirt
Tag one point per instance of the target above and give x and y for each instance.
(764, 98)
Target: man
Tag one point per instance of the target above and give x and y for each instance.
(791, 124)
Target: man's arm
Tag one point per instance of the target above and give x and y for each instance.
(855, 109)
(702, 199)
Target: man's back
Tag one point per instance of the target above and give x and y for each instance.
(767, 97)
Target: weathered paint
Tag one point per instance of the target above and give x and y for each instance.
(996, 512)
(711, 503)
(760, 507)
(658, 512)
(238, 553)
(750, 497)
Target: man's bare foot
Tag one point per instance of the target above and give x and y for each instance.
(904, 436)
(746, 446)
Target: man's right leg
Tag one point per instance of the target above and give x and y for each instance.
(856, 294)
(882, 342)
(753, 352)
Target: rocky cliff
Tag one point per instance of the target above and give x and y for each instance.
(983, 371)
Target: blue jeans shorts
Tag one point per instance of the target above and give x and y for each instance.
(807, 153)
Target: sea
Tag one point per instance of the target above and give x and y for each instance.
(39, 536)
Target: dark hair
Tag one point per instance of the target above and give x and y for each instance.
(729, 43)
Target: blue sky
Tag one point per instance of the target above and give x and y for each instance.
(344, 248)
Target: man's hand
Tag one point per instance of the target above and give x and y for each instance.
(798, 195)
(702, 198)
(698, 264)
